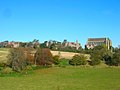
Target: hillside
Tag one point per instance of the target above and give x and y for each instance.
(68, 55)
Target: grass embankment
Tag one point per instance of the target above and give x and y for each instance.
(68, 55)
(69, 78)
(3, 54)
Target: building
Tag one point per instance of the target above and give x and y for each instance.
(65, 43)
(73, 44)
(13, 44)
(92, 42)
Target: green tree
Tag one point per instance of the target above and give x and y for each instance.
(95, 59)
(97, 54)
(56, 59)
(116, 59)
(108, 58)
(78, 60)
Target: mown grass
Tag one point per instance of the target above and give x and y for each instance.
(69, 78)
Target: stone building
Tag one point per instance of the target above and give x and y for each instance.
(92, 42)
(73, 44)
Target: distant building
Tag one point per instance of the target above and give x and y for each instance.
(63, 44)
(13, 44)
(73, 44)
(92, 42)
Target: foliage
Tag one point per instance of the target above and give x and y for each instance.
(108, 58)
(27, 69)
(28, 55)
(2, 64)
(59, 46)
(16, 59)
(116, 59)
(95, 61)
(64, 62)
(7, 70)
(56, 59)
(78, 60)
(113, 59)
(43, 45)
(97, 54)
(43, 57)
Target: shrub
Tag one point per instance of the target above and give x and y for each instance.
(95, 59)
(43, 57)
(116, 59)
(16, 59)
(7, 70)
(27, 69)
(56, 59)
(78, 60)
(28, 55)
(2, 64)
(108, 58)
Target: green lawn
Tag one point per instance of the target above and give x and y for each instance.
(69, 78)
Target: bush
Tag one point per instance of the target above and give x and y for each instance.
(2, 64)
(43, 57)
(56, 59)
(108, 58)
(17, 60)
(95, 59)
(113, 59)
(27, 69)
(116, 59)
(7, 70)
(78, 60)
(28, 55)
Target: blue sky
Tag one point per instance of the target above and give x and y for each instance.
(25, 20)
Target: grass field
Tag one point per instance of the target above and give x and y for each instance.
(58, 78)
(3, 54)
(69, 78)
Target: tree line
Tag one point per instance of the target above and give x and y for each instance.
(22, 59)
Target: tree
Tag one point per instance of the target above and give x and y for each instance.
(108, 58)
(95, 59)
(44, 45)
(97, 54)
(16, 59)
(116, 59)
(113, 59)
(23, 44)
(56, 59)
(78, 60)
(43, 57)
(29, 56)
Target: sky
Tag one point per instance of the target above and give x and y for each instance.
(25, 20)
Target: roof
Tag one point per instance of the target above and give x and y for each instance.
(96, 39)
